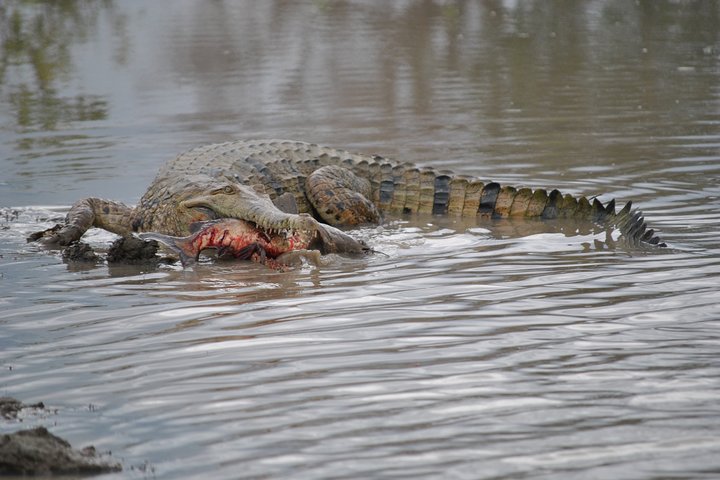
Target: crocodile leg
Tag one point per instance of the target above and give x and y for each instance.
(340, 197)
(286, 203)
(88, 212)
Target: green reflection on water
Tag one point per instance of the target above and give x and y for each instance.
(35, 42)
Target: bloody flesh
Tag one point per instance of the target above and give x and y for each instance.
(235, 238)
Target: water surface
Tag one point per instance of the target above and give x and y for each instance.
(490, 350)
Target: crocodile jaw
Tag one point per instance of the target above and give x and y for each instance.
(323, 237)
(265, 219)
(244, 203)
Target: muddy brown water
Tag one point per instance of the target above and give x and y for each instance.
(494, 350)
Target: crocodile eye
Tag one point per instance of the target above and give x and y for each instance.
(227, 189)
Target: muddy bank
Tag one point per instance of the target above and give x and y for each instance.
(80, 252)
(38, 452)
(133, 250)
(128, 250)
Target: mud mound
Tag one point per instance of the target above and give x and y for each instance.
(39, 452)
(80, 252)
(133, 250)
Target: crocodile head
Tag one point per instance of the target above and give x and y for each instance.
(233, 200)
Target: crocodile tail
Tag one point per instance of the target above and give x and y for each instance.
(496, 201)
(629, 221)
(632, 225)
(179, 245)
(406, 188)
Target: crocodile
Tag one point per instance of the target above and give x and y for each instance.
(281, 185)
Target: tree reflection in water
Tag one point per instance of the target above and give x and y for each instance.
(35, 44)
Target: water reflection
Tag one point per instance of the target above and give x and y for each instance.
(546, 81)
(528, 57)
(35, 57)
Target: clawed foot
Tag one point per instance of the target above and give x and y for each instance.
(67, 238)
(57, 236)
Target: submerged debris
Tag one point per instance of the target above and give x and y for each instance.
(10, 407)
